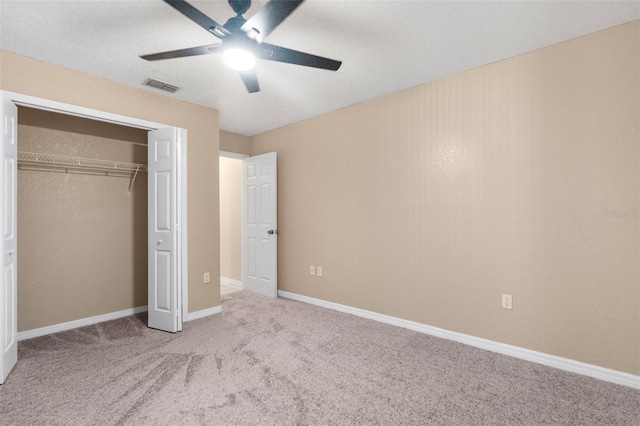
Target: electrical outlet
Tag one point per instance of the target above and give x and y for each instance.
(319, 271)
(312, 270)
(507, 302)
(207, 277)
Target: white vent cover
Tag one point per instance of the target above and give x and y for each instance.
(160, 85)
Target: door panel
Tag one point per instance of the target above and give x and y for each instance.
(163, 286)
(164, 272)
(266, 267)
(251, 205)
(251, 258)
(8, 293)
(163, 202)
(265, 205)
(259, 224)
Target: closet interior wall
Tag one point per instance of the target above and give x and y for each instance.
(82, 235)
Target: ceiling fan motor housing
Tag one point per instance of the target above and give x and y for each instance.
(240, 6)
(234, 24)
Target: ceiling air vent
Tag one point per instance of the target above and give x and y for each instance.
(160, 85)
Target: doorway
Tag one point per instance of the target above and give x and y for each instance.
(257, 257)
(230, 169)
(170, 263)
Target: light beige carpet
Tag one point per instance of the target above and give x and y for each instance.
(281, 362)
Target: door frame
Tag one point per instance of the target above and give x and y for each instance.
(23, 100)
(236, 156)
(243, 253)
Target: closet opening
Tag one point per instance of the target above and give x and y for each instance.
(82, 219)
(166, 220)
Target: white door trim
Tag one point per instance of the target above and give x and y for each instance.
(229, 154)
(78, 111)
(94, 114)
(184, 230)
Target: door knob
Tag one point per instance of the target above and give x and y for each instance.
(272, 231)
(10, 252)
(159, 242)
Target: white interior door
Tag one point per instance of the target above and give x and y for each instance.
(165, 292)
(8, 295)
(260, 224)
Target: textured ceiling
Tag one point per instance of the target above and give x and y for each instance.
(385, 46)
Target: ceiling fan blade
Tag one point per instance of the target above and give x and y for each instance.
(269, 17)
(271, 52)
(199, 18)
(250, 79)
(192, 51)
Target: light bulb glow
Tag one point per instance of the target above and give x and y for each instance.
(238, 59)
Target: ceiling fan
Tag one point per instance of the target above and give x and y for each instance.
(243, 40)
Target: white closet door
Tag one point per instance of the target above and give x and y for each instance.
(8, 295)
(260, 224)
(164, 292)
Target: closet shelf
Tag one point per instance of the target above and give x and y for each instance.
(33, 159)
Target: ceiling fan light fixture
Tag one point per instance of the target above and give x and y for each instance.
(239, 59)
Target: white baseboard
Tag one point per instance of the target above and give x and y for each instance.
(204, 313)
(50, 329)
(225, 280)
(554, 361)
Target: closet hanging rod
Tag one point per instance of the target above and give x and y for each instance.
(78, 163)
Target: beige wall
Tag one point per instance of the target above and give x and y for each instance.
(230, 218)
(233, 142)
(520, 177)
(82, 238)
(32, 77)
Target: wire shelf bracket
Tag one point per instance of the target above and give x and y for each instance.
(133, 179)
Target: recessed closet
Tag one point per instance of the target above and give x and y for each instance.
(82, 225)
